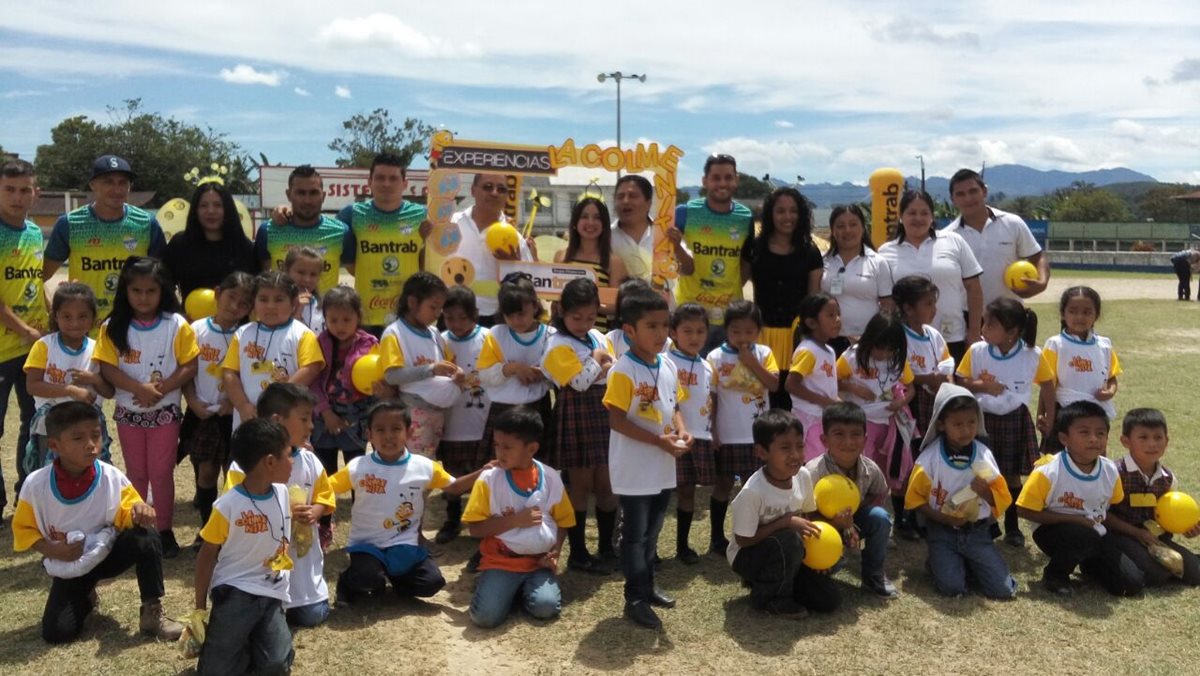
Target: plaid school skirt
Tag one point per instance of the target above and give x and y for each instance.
(462, 457)
(583, 433)
(205, 440)
(736, 460)
(697, 467)
(1013, 440)
(922, 408)
(542, 406)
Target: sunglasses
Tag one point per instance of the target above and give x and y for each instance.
(498, 188)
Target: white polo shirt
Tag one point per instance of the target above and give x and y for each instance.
(637, 255)
(1005, 238)
(473, 248)
(946, 260)
(864, 280)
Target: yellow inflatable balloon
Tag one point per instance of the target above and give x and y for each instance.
(367, 371)
(1019, 274)
(502, 239)
(887, 185)
(822, 552)
(834, 494)
(1177, 512)
(200, 303)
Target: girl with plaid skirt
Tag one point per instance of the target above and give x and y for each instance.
(928, 356)
(689, 333)
(746, 374)
(577, 362)
(1001, 370)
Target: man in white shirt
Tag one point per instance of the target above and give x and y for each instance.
(489, 192)
(997, 238)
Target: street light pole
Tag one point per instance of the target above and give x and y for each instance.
(618, 76)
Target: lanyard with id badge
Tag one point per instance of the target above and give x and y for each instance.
(838, 285)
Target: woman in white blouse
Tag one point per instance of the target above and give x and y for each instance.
(858, 277)
(946, 260)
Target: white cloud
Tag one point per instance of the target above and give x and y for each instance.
(784, 124)
(758, 157)
(341, 91)
(692, 104)
(301, 91)
(21, 93)
(1128, 129)
(389, 32)
(248, 75)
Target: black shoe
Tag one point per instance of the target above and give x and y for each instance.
(170, 548)
(994, 531)
(784, 607)
(881, 587)
(1058, 586)
(908, 532)
(718, 547)
(688, 556)
(473, 562)
(447, 532)
(610, 558)
(1015, 538)
(641, 613)
(586, 563)
(660, 599)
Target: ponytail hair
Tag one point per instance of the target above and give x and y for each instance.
(1014, 316)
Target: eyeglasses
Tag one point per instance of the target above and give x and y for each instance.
(498, 188)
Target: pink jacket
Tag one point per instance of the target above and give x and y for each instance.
(329, 382)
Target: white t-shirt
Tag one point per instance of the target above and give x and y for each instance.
(858, 284)
(155, 352)
(817, 363)
(741, 396)
(1017, 370)
(928, 353)
(698, 384)
(56, 360)
(466, 419)
(638, 256)
(503, 345)
(252, 531)
(1060, 486)
(213, 342)
(473, 248)
(42, 513)
(946, 260)
(1005, 239)
(262, 355)
(649, 394)
(759, 503)
(879, 377)
(1081, 368)
(389, 497)
(946, 479)
(403, 344)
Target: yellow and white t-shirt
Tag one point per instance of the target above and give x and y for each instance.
(649, 395)
(1081, 368)
(155, 352)
(698, 384)
(389, 496)
(1017, 370)
(262, 355)
(495, 494)
(56, 361)
(403, 344)
(466, 419)
(618, 343)
(1060, 486)
(307, 585)
(568, 360)
(936, 478)
(741, 396)
(817, 364)
(503, 345)
(759, 502)
(928, 353)
(44, 514)
(213, 342)
(253, 534)
(879, 377)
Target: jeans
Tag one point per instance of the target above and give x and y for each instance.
(12, 377)
(68, 604)
(1183, 271)
(308, 616)
(774, 568)
(1072, 545)
(954, 551)
(874, 525)
(496, 590)
(642, 519)
(245, 633)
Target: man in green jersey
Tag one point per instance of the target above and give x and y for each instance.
(303, 224)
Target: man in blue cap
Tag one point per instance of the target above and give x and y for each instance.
(98, 237)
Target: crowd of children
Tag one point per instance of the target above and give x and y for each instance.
(629, 418)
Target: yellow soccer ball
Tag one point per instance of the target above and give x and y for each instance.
(200, 303)
(822, 552)
(834, 494)
(502, 239)
(1177, 512)
(1018, 275)
(367, 371)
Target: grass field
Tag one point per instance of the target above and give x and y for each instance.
(712, 629)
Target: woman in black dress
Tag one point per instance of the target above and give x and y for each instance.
(212, 244)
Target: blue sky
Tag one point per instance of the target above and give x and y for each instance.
(823, 90)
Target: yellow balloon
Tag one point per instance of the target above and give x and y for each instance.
(1019, 274)
(834, 494)
(367, 371)
(1177, 512)
(502, 239)
(200, 303)
(887, 185)
(822, 552)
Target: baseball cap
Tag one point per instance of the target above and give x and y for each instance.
(109, 164)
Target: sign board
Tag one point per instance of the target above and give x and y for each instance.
(343, 186)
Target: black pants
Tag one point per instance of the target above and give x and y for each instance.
(1153, 574)
(367, 575)
(1072, 545)
(1184, 272)
(69, 604)
(775, 568)
(12, 377)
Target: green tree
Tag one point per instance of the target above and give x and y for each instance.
(160, 150)
(1159, 204)
(365, 136)
(1024, 206)
(1089, 205)
(682, 196)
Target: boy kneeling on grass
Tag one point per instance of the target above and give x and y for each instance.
(89, 522)
(767, 550)
(520, 511)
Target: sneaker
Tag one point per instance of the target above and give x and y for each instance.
(785, 607)
(155, 623)
(1015, 538)
(1057, 585)
(586, 563)
(687, 556)
(640, 612)
(447, 532)
(170, 548)
(880, 586)
(474, 561)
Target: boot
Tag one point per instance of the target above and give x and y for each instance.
(158, 625)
